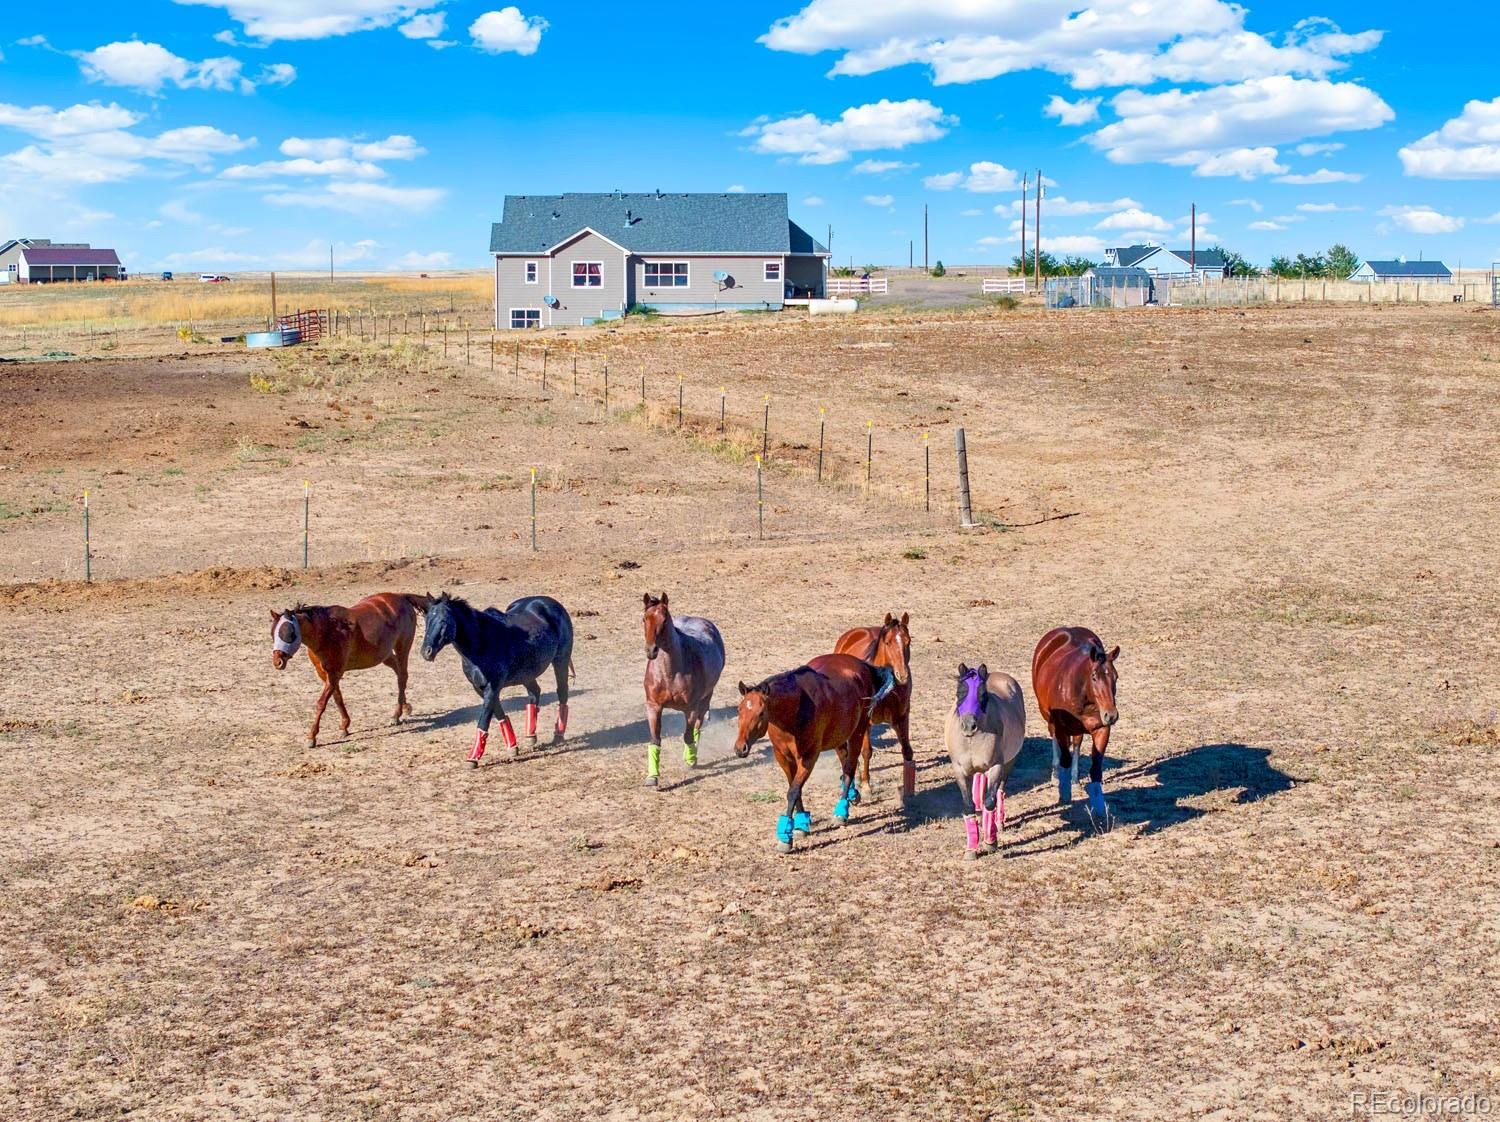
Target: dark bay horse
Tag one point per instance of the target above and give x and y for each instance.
(684, 658)
(825, 704)
(1074, 680)
(500, 649)
(888, 645)
(377, 631)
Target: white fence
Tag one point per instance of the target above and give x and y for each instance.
(857, 286)
(1003, 284)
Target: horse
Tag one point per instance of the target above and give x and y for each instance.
(684, 658)
(1074, 680)
(500, 649)
(825, 704)
(984, 734)
(377, 631)
(888, 645)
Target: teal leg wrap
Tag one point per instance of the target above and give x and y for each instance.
(802, 822)
(1097, 806)
(784, 830)
(841, 809)
(1064, 786)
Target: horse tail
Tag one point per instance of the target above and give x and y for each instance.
(417, 601)
(885, 682)
(572, 674)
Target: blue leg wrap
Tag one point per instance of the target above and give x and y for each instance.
(852, 794)
(802, 821)
(784, 830)
(1097, 806)
(1064, 786)
(841, 809)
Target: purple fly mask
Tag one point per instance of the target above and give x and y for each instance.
(970, 697)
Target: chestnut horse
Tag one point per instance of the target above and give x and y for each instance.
(684, 658)
(888, 645)
(825, 704)
(377, 631)
(1074, 680)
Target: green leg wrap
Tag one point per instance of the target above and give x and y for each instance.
(690, 749)
(653, 761)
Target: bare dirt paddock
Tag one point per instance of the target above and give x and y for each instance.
(1284, 517)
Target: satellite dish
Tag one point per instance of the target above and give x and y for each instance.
(550, 301)
(721, 276)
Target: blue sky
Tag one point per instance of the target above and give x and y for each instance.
(248, 134)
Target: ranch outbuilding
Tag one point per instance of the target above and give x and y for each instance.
(40, 261)
(579, 258)
(1431, 272)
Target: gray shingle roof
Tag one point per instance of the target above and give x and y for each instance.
(1206, 259)
(57, 255)
(652, 223)
(1120, 273)
(1410, 268)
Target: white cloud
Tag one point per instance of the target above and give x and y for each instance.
(303, 168)
(1098, 43)
(972, 212)
(296, 19)
(880, 200)
(1060, 206)
(1234, 126)
(1318, 149)
(1466, 147)
(1251, 203)
(1132, 219)
(507, 30)
(428, 25)
(32, 41)
(420, 261)
(1422, 220)
(394, 147)
(735, 189)
(1324, 208)
(983, 177)
(880, 167)
(46, 123)
(813, 200)
(1322, 175)
(860, 128)
(1072, 243)
(1079, 112)
(147, 67)
(1266, 224)
(178, 211)
(362, 198)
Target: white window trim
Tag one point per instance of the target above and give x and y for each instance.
(524, 327)
(574, 274)
(531, 273)
(666, 261)
(779, 278)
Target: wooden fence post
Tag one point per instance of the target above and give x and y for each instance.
(961, 446)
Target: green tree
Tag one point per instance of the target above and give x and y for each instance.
(1239, 266)
(939, 270)
(1341, 261)
(1076, 266)
(1051, 266)
(1282, 267)
(1314, 266)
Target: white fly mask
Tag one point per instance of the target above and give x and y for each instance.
(286, 635)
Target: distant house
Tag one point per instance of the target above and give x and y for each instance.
(1434, 272)
(40, 261)
(573, 259)
(1162, 262)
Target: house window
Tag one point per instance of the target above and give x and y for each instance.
(531, 272)
(526, 317)
(666, 274)
(773, 272)
(588, 274)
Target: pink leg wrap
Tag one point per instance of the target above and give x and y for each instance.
(987, 824)
(476, 753)
(978, 785)
(971, 827)
(531, 711)
(562, 718)
(908, 778)
(507, 733)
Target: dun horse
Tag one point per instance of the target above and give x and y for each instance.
(888, 645)
(1074, 680)
(501, 649)
(684, 658)
(984, 734)
(825, 704)
(377, 631)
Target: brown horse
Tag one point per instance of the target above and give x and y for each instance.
(1074, 680)
(377, 631)
(684, 658)
(888, 645)
(825, 704)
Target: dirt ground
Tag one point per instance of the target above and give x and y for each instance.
(1284, 516)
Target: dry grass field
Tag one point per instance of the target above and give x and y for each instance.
(1284, 516)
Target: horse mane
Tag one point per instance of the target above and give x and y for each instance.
(764, 685)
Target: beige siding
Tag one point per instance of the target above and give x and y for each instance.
(512, 291)
(748, 284)
(578, 304)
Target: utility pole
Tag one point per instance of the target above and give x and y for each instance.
(273, 296)
(828, 245)
(1193, 249)
(330, 264)
(911, 255)
(1037, 230)
(925, 267)
(1025, 180)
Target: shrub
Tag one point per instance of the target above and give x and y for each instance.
(1007, 301)
(938, 270)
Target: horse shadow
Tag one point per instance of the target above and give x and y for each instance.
(1032, 769)
(1193, 774)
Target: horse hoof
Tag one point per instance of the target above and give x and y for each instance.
(971, 855)
(473, 764)
(652, 781)
(837, 821)
(989, 848)
(783, 847)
